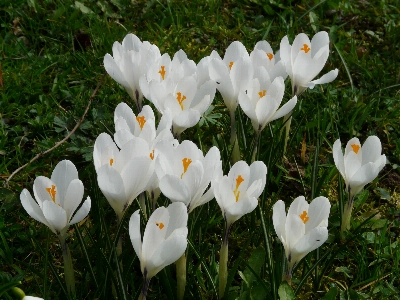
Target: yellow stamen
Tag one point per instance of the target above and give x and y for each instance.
(111, 162)
(186, 162)
(231, 65)
(162, 72)
(152, 155)
(304, 217)
(355, 147)
(141, 120)
(52, 192)
(262, 93)
(239, 180)
(180, 98)
(305, 48)
(270, 56)
(160, 225)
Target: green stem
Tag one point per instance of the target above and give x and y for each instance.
(142, 204)
(68, 267)
(145, 288)
(287, 120)
(223, 263)
(254, 156)
(118, 248)
(347, 215)
(234, 140)
(181, 276)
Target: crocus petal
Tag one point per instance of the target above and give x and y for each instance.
(55, 215)
(317, 212)
(309, 242)
(285, 109)
(64, 172)
(298, 206)
(364, 175)
(40, 185)
(114, 71)
(82, 212)
(319, 40)
(371, 149)
(338, 157)
(328, 77)
(279, 218)
(32, 208)
(238, 209)
(134, 233)
(178, 217)
(73, 197)
(174, 189)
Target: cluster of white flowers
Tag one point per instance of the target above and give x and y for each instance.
(141, 157)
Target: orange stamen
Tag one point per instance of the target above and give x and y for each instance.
(52, 192)
(162, 72)
(186, 162)
(152, 155)
(239, 180)
(305, 48)
(141, 120)
(180, 98)
(304, 217)
(160, 225)
(355, 147)
(231, 65)
(262, 93)
(270, 56)
(111, 162)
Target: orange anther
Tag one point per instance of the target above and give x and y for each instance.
(160, 225)
(141, 120)
(186, 162)
(239, 180)
(270, 56)
(111, 161)
(304, 217)
(231, 65)
(52, 192)
(180, 98)
(152, 155)
(162, 72)
(305, 48)
(355, 147)
(262, 93)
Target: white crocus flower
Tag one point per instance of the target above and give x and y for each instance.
(185, 174)
(128, 126)
(236, 195)
(304, 60)
(303, 229)
(233, 73)
(262, 99)
(358, 166)
(129, 62)
(164, 240)
(163, 75)
(188, 102)
(117, 170)
(57, 199)
(263, 56)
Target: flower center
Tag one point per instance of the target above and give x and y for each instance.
(304, 217)
(262, 93)
(186, 162)
(231, 65)
(111, 161)
(162, 72)
(52, 192)
(305, 48)
(236, 191)
(355, 147)
(152, 155)
(270, 56)
(180, 98)
(141, 120)
(160, 225)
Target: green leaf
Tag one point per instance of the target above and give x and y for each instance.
(285, 291)
(331, 294)
(83, 8)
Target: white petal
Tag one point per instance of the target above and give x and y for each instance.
(318, 211)
(239, 209)
(285, 109)
(371, 149)
(279, 218)
(328, 77)
(73, 197)
(32, 208)
(174, 189)
(338, 157)
(62, 175)
(82, 212)
(134, 233)
(55, 215)
(178, 217)
(309, 242)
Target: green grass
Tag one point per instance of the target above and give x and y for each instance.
(51, 61)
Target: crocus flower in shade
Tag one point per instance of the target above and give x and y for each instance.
(130, 60)
(164, 240)
(262, 99)
(304, 60)
(32, 298)
(185, 174)
(302, 230)
(263, 56)
(57, 199)
(117, 170)
(358, 166)
(236, 194)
